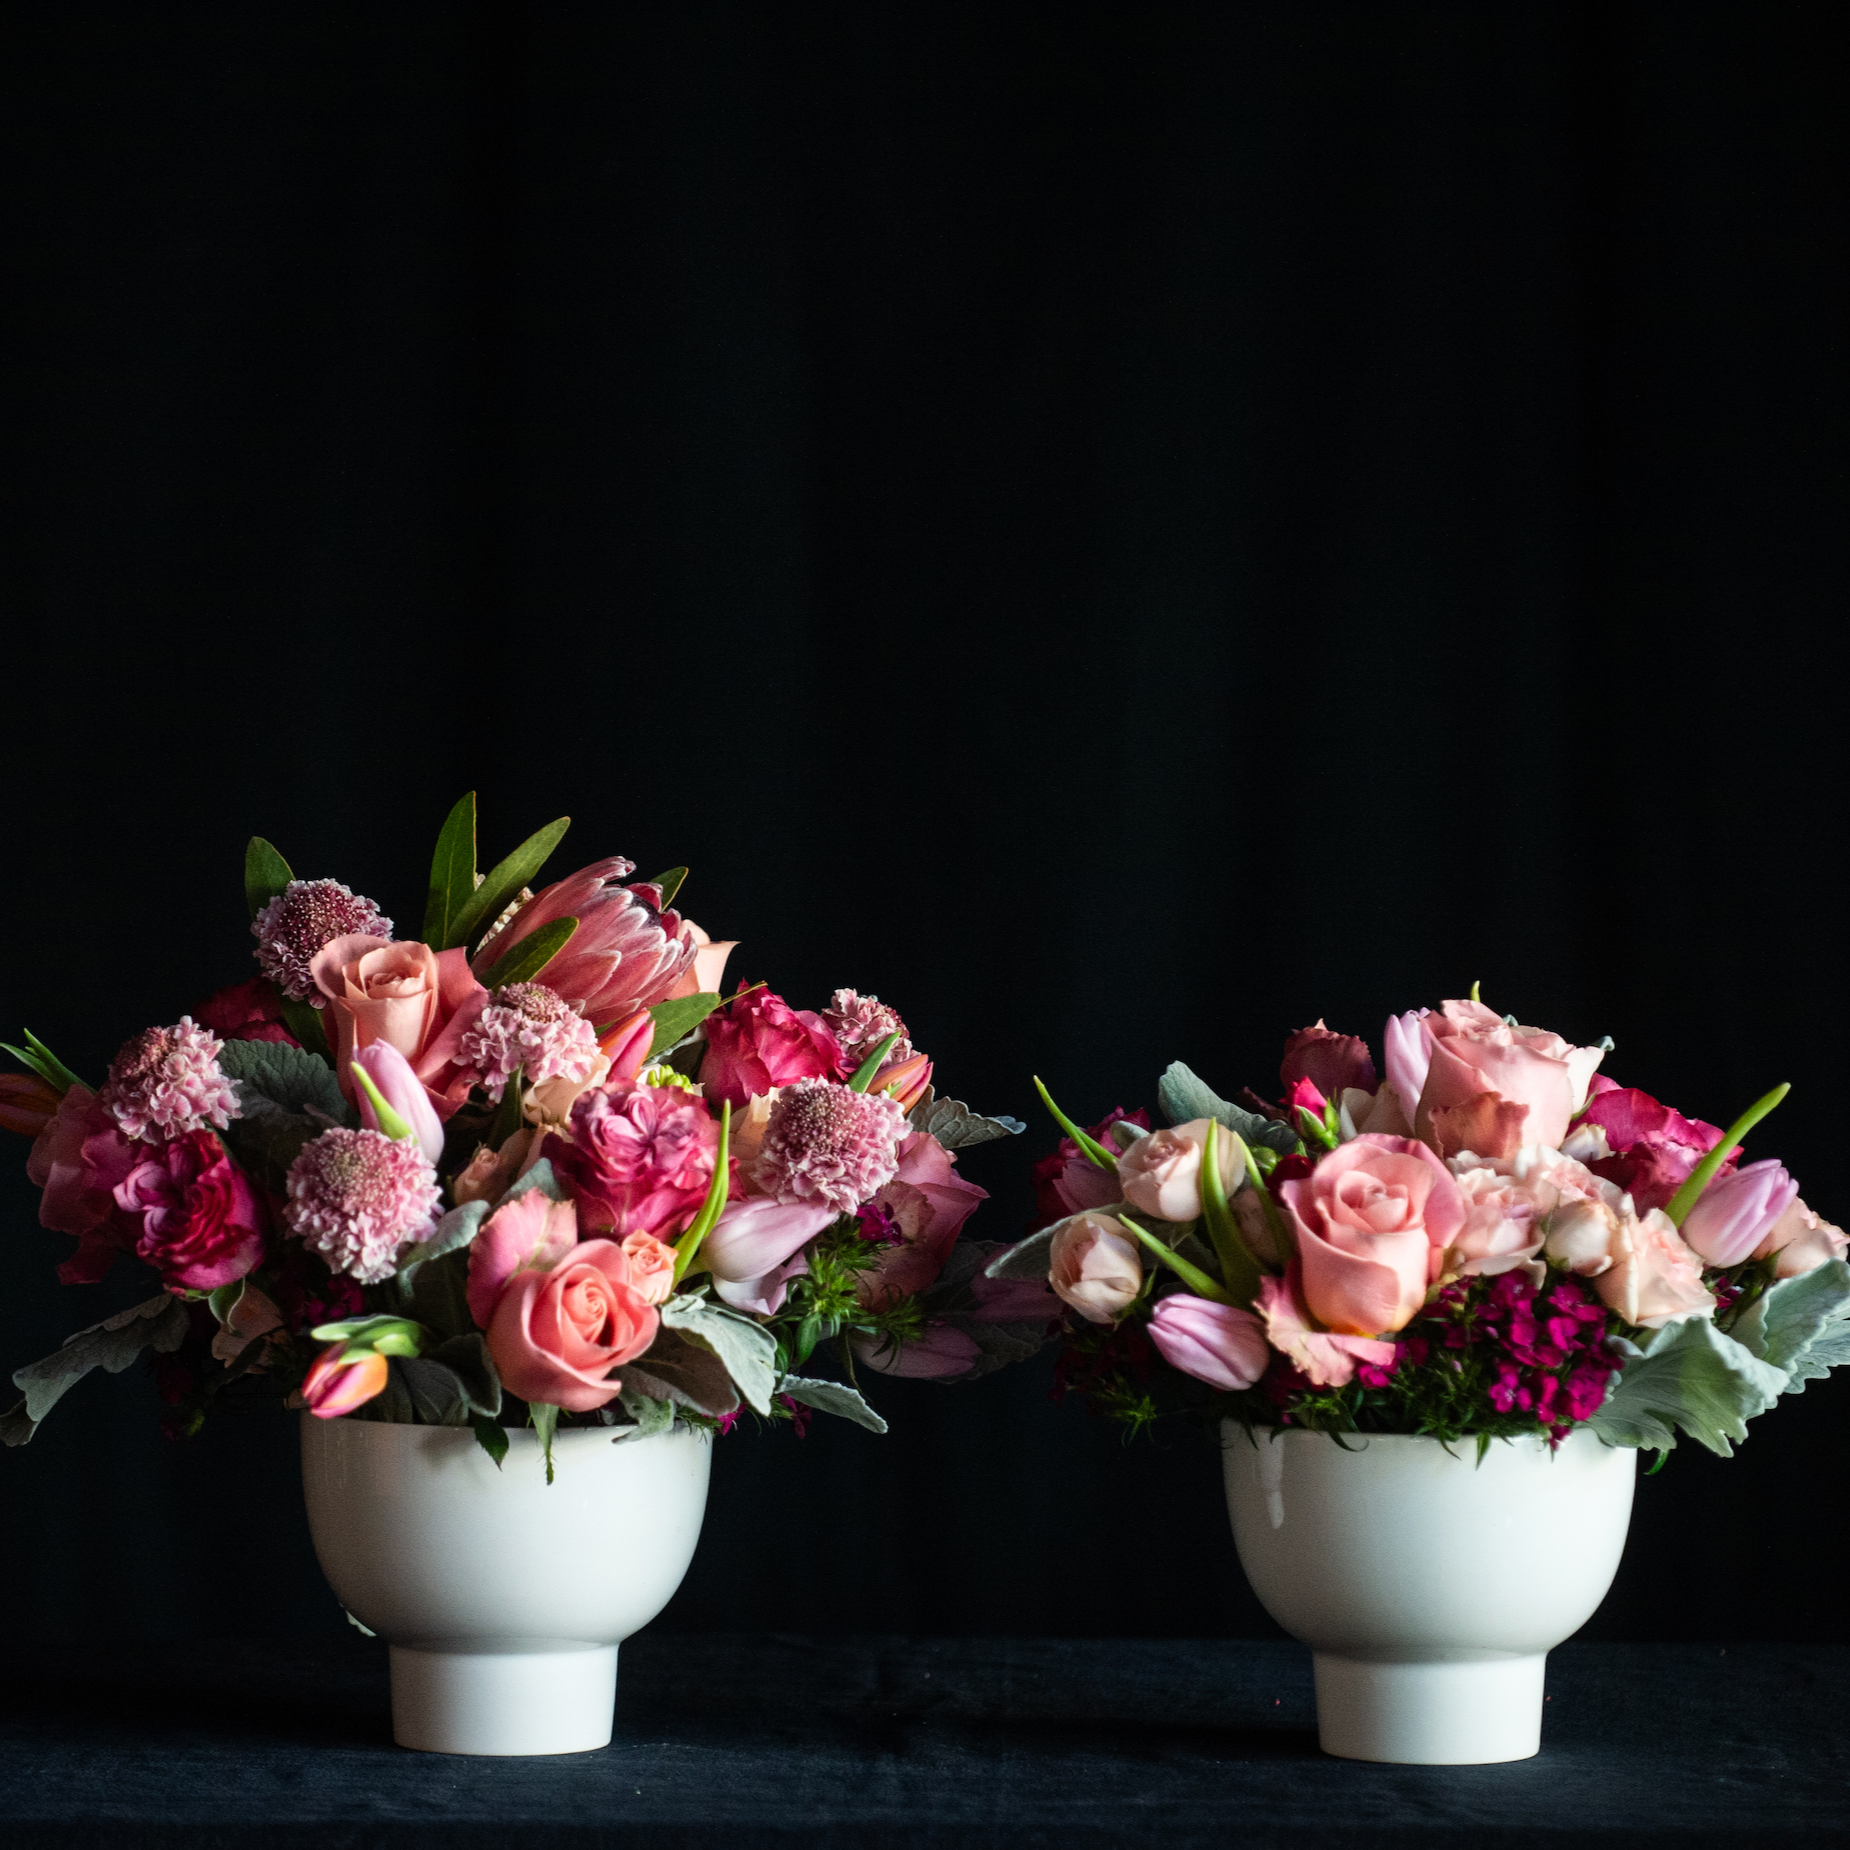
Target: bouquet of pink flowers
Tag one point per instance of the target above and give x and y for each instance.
(1493, 1239)
(529, 1167)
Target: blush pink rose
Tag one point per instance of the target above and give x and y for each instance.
(1654, 1278)
(1161, 1174)
(651, 1266)
(1499, 1231)
(927, 1202)
(1491, 1088)
(1325, 1358)
(1799, 1242)
(1373, 1220)
(638, 1161)
(1093, 1265)
(531, 1233)
(554, 1336)
(759, 1041)
(79, 1159)
(202, 1224)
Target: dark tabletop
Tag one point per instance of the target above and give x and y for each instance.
(896, 1743)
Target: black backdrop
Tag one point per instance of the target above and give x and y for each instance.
(1121, 529)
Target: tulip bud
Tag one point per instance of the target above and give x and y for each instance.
(1735, 1213)
(627, 1044)
(1092, 1265)
(905, 1080)
(338, 1381)
(392, 1099)
(27, 1103)
(1216, 1343)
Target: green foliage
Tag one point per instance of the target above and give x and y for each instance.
(503, 883)
(305, 1023)
(455, 1230)
(1089, 1147)
(650, 1414)
(956, 1126)
(1691, 1377)
(530, 956)
(832, 1397)
(544, 1419)
(1801, 1325)
(865, 1072)
(507, 1119)
(266, 873)
(1027, 1258)
(1239, 1270)
(683, 1373)
(669, 884)
(675, 1020)
(1184, 1097)
(745, 1348)
(491, 1436)
(1699, 1178)
(38, 1058)
(289, 1078)
(452, 874)
(159, 1324)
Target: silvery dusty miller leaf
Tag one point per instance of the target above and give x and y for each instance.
(832, 1397)
(1802, 1324)
(746, 1349)
(1184, 1097)
(957, 1127)
(1693, 1377)
(159, 1324)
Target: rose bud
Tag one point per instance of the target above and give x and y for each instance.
(1094, 1267)
(1161, 1174)
(337, 1382)
(1735, 1213)
(1216, 1343)
(1799, 1242)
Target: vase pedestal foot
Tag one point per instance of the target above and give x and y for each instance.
(1462, 1708)
(541, 1701)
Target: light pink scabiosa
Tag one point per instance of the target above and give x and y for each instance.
(530, 1026)
(167, 1081)
(860, 1023)
(306, 917)
(358, 1197)
(826, 1142)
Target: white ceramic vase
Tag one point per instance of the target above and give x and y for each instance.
(503, 1598)
(1429, 1587)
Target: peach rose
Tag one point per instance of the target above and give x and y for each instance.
(1373, 1220)
(1160, 1174)
(651, 1266)
(1491, 1088)
(1654, 1278)
(1093, 1265)
(1800, 1242)
(406, 995)
(556, 1335)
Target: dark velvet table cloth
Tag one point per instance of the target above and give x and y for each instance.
(786, 1740)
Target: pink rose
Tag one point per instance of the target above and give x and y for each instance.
(250, 1011)
(489, 1174)
(756, 1248)
(1093, 1265)
(1734, 1214)
(1161, 1174)
(1216, 1343)
(531, 1233)
(651, 1266)
(78, 1159)
(202, 1223)
(1654, 1278)
(759, 1041)
(639, 1161)
(555, 1335)
(927, 1202)
(1373, 1220)
(1331, 1062)
(1499, 1231)
(1652, 1148)
(1491, 1088)
(1324, 1358)
(1800, 1242)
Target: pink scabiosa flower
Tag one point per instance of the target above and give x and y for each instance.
(627, 952)
(306, 917)
(359, 1197)
(860, 1023)
(639, 1161)
(828, 1143)
(167, 1081)
(533, 1027)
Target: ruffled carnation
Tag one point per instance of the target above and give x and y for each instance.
(860, 1023)
(535, 1029)
(306, 917)
(639, 1161)
(358, 1197)
(167, 1081)
(826, 1142)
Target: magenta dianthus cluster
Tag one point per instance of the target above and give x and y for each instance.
(167, 1081)
(304, 918)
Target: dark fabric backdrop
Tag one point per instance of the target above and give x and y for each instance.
(1121, 529)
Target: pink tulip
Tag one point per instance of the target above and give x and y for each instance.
(1216, 1343)
(1405, 1054)
(1735, 1213)
(626, 953)
(754, 1236)
(941, 1354)
(337, 1382)
(627, 1044)
(401, 1088)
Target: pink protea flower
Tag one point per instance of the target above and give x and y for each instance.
(358, 1197)
(626, 953)
(306, 917)
(533, 1027)
(860, 1023)
(167, 1081)
(826, 1142)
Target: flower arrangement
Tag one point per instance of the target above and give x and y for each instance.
(531, 1167)
(1493, 1239)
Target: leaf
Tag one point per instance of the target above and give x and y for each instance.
(455, 1230)
(676, 1020)
(266, 873)
(540, 1176)
(746, 1349)
(303, 1020)
(40, 1059)
(832, 1397)
(670, 884)
(507, 1119)
(650, 1414)
(436, 1293)
(503, 882)
(1183, 1097)
(1690, 1376)
(467, 1357)
(545, 1418)
(864, 1073)
(957, 1127)
(437, 1396)
(289, 1077)
(267, 1139)
(160, 1324)
(530, 956)
(452, 873)
(678, 1370)
(1027, 1258)
(491, 1436)
(1801, 1324)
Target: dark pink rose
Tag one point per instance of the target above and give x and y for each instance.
(201, 1222)
(78, 1159)
(760, 1041)
(1653, 1147)
(927, 1203)
(250, 1011)
(1331, 1062)
(639, 1161)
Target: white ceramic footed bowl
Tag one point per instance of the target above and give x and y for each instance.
(1430, 1588)
(503, 1598)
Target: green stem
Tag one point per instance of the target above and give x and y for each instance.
(1094, 1151)
(710, 1209)
(1191, 1275)
(1238, 1267)
(1274, 1219)
(1704, 1172)
(864, 1073)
